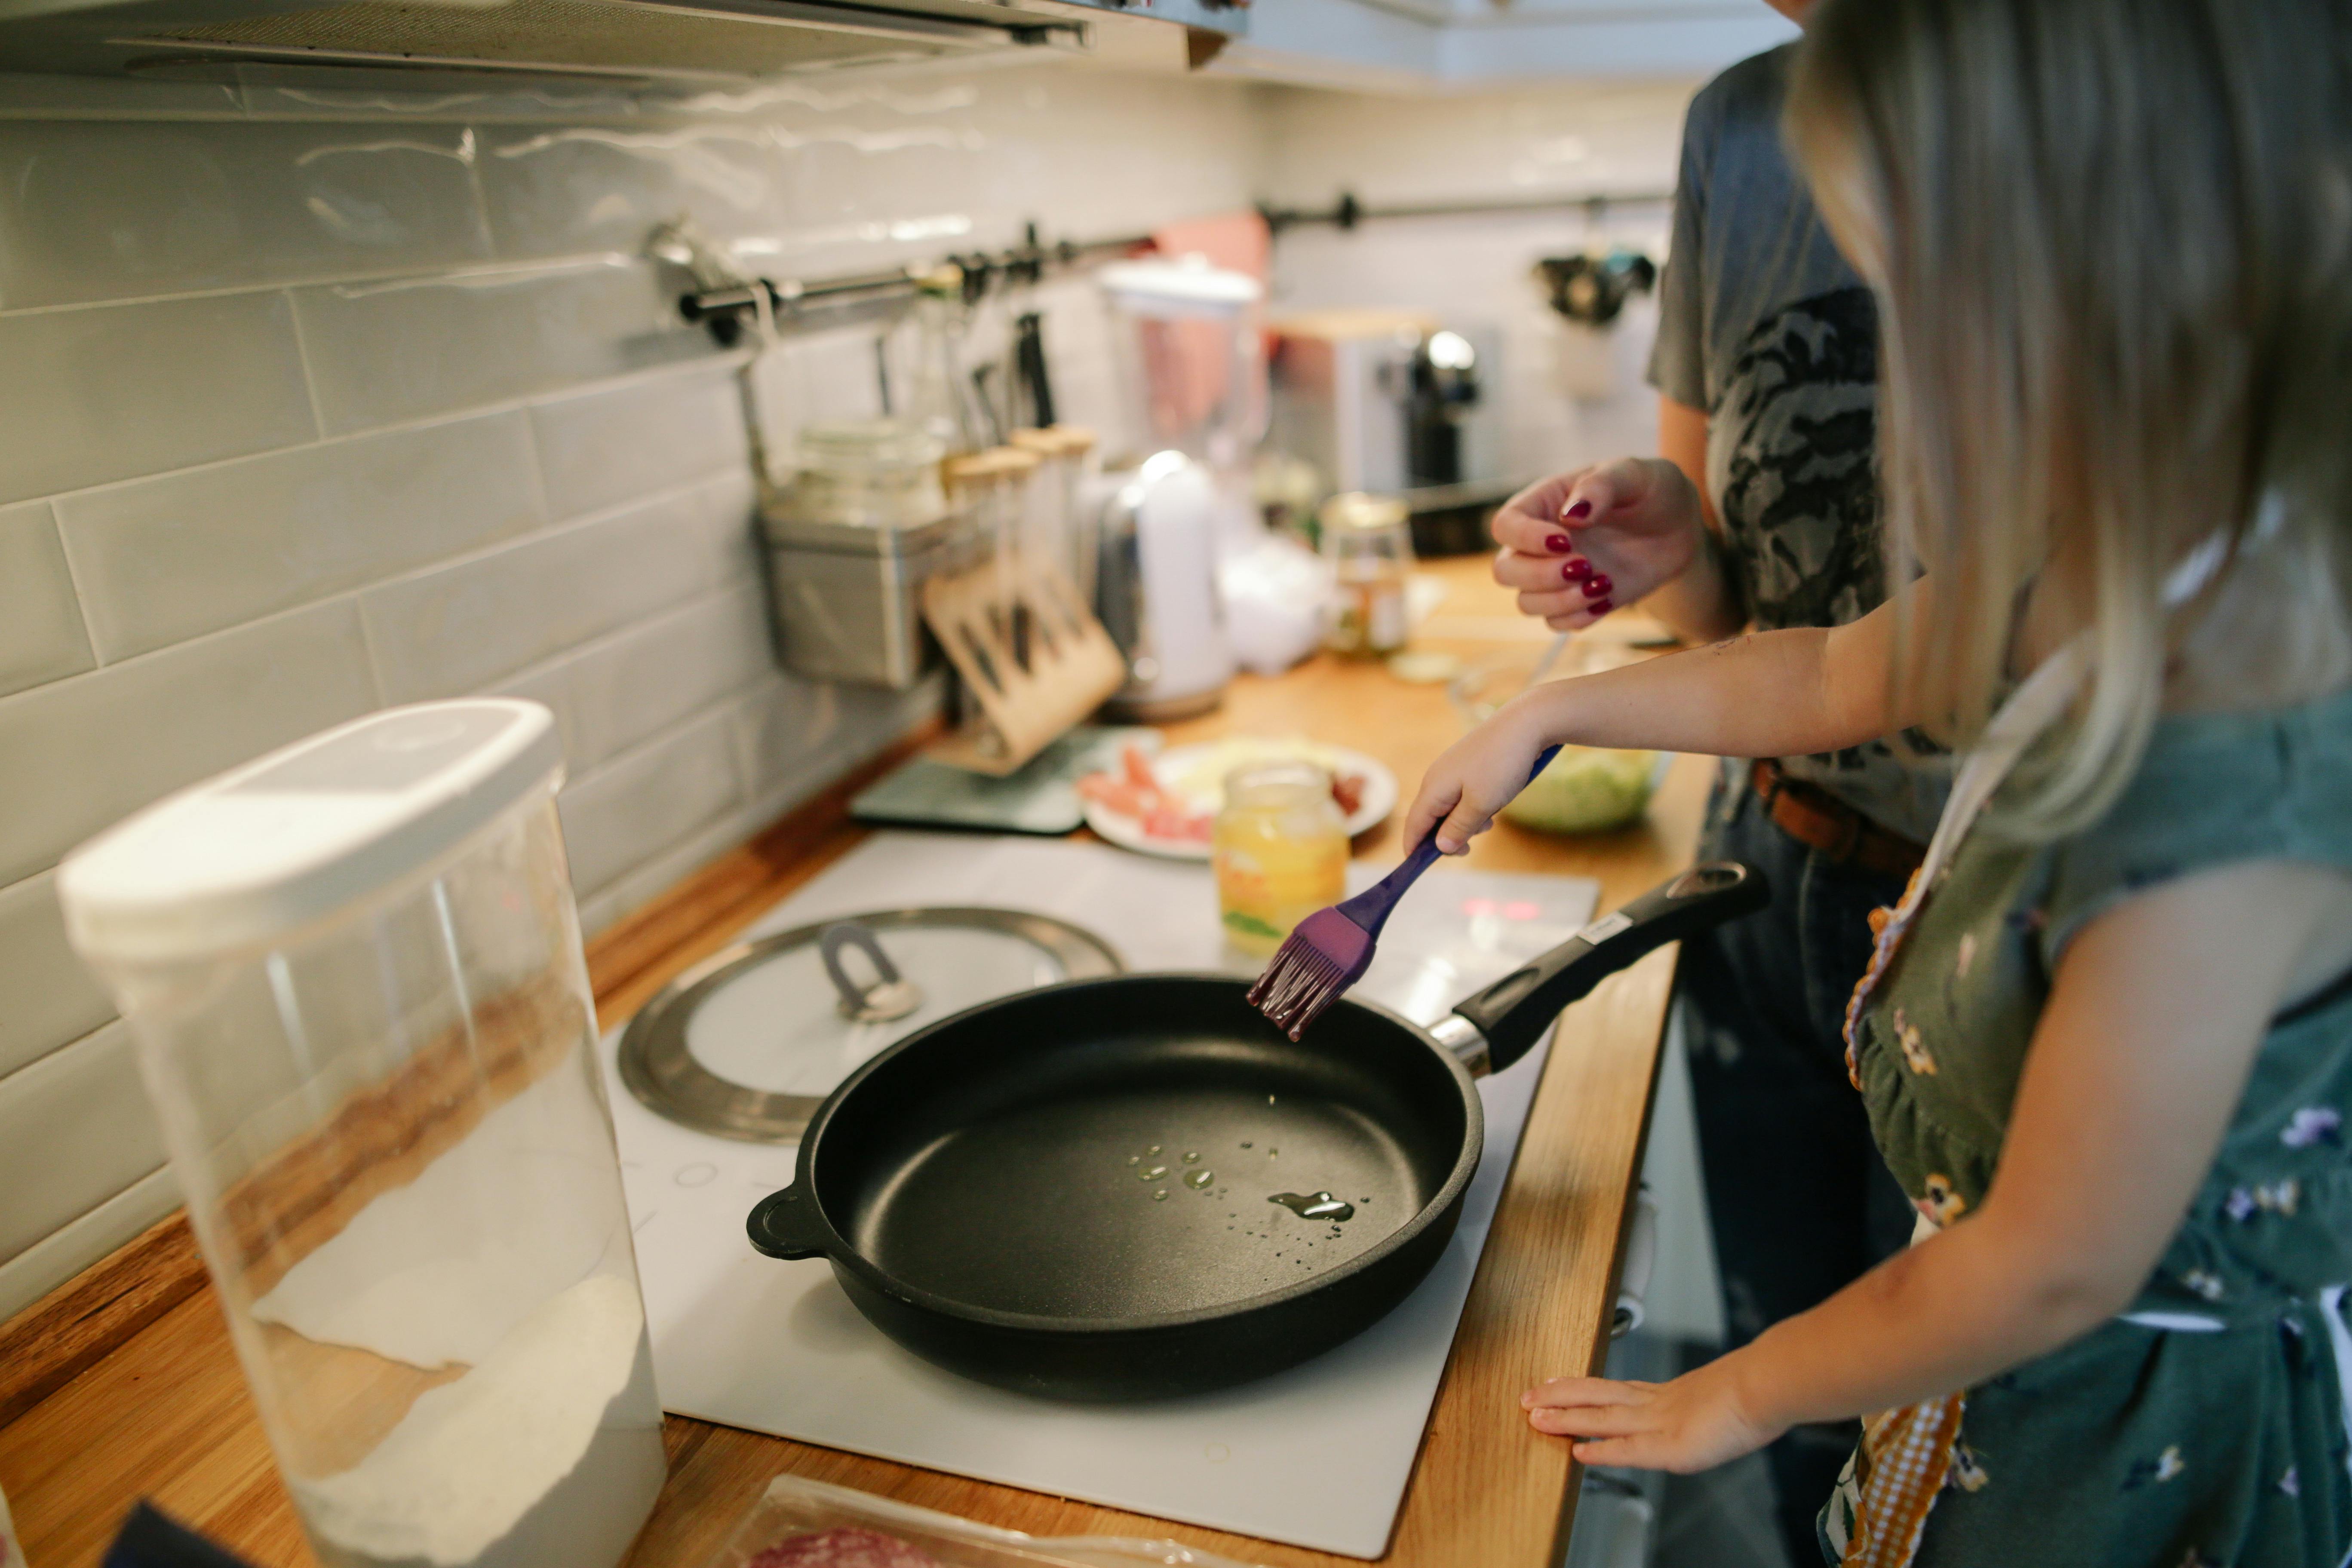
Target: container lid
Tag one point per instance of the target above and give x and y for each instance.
(1188, 287)
(867, 445)
(1360, 512)
(748, 1043)
(995, 466)
(281, 842)
(1055, 440)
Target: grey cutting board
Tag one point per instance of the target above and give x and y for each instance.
(1042, 797)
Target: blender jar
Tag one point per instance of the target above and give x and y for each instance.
(353, 970)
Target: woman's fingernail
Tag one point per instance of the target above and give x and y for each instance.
(1597, 586)
(1598, 607)
(1577, 570)
(1582, 508)
(1558, 543)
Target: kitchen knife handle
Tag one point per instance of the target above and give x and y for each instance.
(1513, 1011)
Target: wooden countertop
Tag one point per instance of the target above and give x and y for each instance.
(122, 1384)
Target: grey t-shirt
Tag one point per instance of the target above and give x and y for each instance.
(1763, 325)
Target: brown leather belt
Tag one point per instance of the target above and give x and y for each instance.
(1818, 819)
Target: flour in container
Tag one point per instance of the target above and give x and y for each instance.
(547, 1451)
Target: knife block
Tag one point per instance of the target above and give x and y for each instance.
(1034, 658)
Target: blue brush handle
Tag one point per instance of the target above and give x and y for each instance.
(1369, 908)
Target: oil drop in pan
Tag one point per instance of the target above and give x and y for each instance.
(1321, 1205)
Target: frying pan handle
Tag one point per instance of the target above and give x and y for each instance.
(784, 1224)
(1513, 1011)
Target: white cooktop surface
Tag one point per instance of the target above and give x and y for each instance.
(1318, 1457)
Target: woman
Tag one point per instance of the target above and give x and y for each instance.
(2105, 1041)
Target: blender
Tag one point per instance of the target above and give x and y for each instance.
(1192, 382)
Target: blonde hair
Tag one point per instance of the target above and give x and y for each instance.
(2112, 246)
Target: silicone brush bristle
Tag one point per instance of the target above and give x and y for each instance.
(1322, 957)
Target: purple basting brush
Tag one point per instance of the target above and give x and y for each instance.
(1330, 949)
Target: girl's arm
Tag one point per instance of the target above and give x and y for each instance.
(1766, 694)
(2135, 1067)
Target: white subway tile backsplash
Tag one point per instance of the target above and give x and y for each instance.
(74, 1246)
(167, 559)
(600, 449)
(648, 801)
(24, 94)
(457, 629)
(631, 686)
(110, 211)
(109, 392)
(386, 351)
(78, 755)
(41, 633)
(75, 1130)
(47, 996)
(575, 189)
(795, 734)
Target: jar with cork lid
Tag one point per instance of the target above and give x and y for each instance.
(1368, 540)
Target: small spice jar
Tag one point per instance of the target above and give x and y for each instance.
(1368, 541)
(1280, 850)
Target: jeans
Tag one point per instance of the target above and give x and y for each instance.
(1797, 1198)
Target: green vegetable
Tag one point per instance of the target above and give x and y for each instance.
(1585, 791)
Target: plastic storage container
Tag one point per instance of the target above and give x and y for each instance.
(354, 974)
(800, 1523)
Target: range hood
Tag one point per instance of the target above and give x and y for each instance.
(641, 45)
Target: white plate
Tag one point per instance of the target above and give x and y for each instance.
(1118, 828)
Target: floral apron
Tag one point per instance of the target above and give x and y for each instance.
(2208, 1426)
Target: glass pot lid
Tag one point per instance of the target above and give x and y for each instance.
(748, 1043)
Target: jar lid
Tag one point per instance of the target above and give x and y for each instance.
(1055, 440)
(1358, 510)
(995, 466)
(282, 842)
(748, 1043)
(867, 445)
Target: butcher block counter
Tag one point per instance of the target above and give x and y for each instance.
(122, 1383)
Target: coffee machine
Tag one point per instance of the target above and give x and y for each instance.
(1393, 403)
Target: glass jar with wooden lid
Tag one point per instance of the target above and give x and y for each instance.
(1368, 541)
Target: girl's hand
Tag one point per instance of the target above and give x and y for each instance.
(1475, 777)
(1578, 544)
(1694, 1423)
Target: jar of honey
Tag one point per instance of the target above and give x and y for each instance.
(1280, 847)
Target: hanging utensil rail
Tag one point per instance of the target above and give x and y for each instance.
(974, 275)
(1348, 211)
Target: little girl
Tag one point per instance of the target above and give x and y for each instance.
(2106, 1041)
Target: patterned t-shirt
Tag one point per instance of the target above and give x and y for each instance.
(1763, 325)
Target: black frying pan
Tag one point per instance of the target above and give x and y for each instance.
(986, 1188)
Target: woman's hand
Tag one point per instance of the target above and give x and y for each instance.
(1478, 776)
(1694, 1423)
(1578, 544)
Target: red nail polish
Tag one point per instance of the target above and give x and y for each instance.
(1600, 607)
(1556, 544)
(1577, 570)
(1582, 508)
(1597, 586)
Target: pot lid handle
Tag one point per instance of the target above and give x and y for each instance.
(890, 996)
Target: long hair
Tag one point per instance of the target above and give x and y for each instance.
(2112, 244)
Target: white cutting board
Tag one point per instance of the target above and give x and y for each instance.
(1317, 1456)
